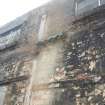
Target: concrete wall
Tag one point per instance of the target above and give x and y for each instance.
(24, 57)
(51, 58)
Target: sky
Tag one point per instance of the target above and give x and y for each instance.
(10, 9)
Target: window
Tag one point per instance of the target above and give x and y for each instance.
(85, 5)
(2, 94)
(42, 28)
(102, 2)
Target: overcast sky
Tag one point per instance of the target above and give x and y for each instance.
(10, 9)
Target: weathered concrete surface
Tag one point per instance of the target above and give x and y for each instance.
(64, 69)
(84, 61)
(18, 60)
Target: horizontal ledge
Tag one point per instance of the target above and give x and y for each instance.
(12, 80)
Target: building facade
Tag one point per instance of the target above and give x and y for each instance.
(54, 55)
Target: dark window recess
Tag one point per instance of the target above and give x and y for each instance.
(85, 5)
(102, 2)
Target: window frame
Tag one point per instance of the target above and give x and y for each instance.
(99, 3)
